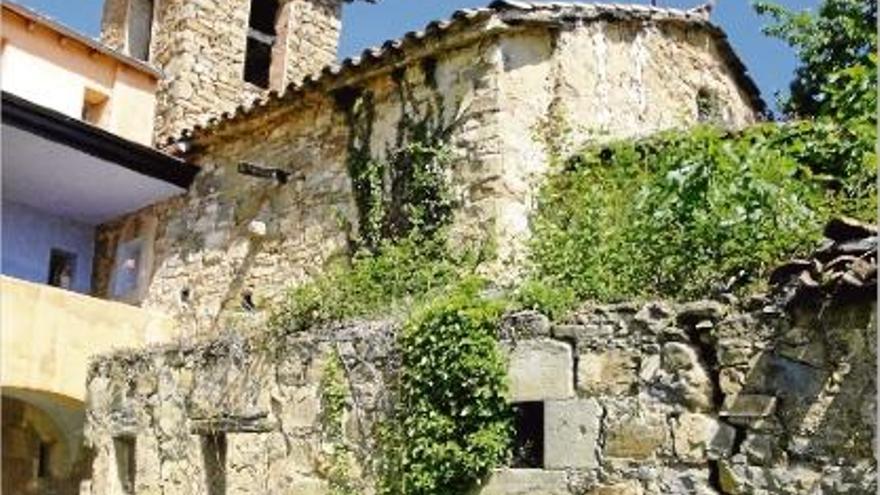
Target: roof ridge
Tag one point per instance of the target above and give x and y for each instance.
(378, 53)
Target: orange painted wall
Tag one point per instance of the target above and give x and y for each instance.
(42, 65)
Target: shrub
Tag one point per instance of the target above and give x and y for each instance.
(685, 213)
(539, 296)
(398, 275)
(452, 425)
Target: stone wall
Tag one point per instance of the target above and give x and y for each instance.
(263, 395)
(508, 86)
(200, 49)
(769, 394)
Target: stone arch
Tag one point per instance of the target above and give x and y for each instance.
(42, 438)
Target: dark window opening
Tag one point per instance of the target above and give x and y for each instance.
(247, 300)
(124, 448)
(260, 41)
(62, 266)
(262, 17)
(140, 28)
(528, 440)
(214, 459)
(43, 460)
(709, 107)
(257, 62)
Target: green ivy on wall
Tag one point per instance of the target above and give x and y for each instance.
(407, 190)
(333, 393)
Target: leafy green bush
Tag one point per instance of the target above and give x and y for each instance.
(453, 424)
(681, 213)
(390, 280)
(549, 300)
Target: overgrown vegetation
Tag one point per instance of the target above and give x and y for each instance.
(684, 214)
(390, 280)
(334, 392)
(452, 424)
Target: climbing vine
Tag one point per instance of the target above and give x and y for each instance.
(450, 421)
(407, 190)
(452, 424)
(333, 392)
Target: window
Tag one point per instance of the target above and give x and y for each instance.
(709, 107)
(140, 28)
(127, 272)
(214, 459)
(62, 266)
(94, 107)
(260, 41)
(43, 460)
(528, 441)
(124, 448)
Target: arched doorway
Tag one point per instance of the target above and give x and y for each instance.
(42, 447)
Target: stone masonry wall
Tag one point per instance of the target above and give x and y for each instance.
(505, 87)
(200, 49)
(771, 394)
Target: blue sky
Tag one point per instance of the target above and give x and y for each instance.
(770, 62)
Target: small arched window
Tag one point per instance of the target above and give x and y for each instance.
(710, 109)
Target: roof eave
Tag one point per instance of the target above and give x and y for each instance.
(28, 116)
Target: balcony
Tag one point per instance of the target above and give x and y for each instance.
(48, 335)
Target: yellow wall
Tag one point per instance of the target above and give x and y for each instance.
(48, 335)
(43, 66)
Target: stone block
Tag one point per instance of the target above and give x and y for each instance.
(301, 408)
(613, 372)
(525, 324)
(687, 376)
(653, 317)
(637, 436)
(748, 406)
(541, 369)
(526, 482)
(571, 430)
(695, 311)
(760, 449)
(624, 488)
(698, 437)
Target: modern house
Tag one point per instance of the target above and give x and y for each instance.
(77, 128)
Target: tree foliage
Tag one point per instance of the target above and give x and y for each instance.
(836, 45)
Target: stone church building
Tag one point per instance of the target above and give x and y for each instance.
(257, 87)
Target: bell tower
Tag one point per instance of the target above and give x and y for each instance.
(217, 54)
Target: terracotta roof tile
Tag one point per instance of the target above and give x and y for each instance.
(505, 10)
